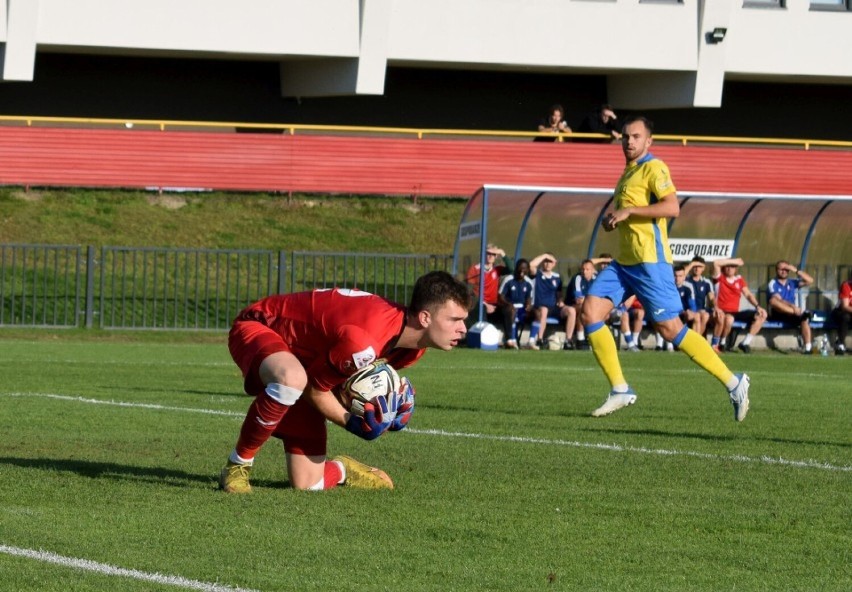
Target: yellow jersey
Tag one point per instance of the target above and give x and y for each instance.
(643, 240)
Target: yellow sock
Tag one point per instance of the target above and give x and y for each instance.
(606, 353)
(700, 352)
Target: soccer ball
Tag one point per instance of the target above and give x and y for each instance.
(375, 379)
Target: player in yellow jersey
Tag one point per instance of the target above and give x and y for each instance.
(644, 199)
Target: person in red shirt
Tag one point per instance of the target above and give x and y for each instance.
(841, 316)
(730, 288)
(295, 349)
(497, 311)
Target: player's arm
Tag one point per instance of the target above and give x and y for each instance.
(667, 207)
(326, 403)
(718, 264)
(805, 279)
(536, 261)
(752, 299)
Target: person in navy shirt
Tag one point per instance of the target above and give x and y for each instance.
(687, 295)
(516, 290)
(547, 295)
(575, 293)
(782, 291)
(702, 289)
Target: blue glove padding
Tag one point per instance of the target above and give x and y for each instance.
(405, 406)
(372, 424)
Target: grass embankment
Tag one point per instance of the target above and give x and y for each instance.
(228, 220)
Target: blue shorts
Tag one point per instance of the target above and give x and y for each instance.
(652, 283)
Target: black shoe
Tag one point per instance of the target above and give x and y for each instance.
(839, 351)
(746, 349)
(584, 346)
(659, 348)
(568, 345)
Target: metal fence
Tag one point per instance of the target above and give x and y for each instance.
(186, 289)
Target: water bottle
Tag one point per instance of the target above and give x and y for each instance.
(823, 347)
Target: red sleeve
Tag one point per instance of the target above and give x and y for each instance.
(353, 348)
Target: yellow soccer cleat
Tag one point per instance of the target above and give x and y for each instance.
(234, 478)
(364, 476)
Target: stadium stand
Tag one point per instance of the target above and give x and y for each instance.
(133, 158)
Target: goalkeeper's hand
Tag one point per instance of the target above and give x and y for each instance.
(375, 421)
(405, 406)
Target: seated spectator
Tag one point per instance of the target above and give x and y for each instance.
(499, 315)
(730, 287)
(553, 124)
(602, 120)
(687, 300)
(516, 290)
(575, 293)
(547, 296)
(782, 291)
(702, 289)
(632, 318)
(841, 315)
(687, 296)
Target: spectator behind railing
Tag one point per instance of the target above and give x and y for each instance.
(602, 120)
(554, 124)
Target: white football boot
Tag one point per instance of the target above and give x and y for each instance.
(739, 396)
(614, 402)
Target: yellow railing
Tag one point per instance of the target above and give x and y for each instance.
(419, 133)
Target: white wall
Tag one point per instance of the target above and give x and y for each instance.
(655, 53)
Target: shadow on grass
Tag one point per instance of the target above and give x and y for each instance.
(159, 390)
(717, 437)
(116, 472)
(106, 470)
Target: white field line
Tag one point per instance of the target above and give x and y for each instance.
(769, 460)
(111, 570)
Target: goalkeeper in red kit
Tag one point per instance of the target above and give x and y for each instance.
(295, 349)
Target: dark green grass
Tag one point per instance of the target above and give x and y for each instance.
(228, 220)
(504, 482)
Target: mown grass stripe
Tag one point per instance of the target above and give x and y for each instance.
(810, 464)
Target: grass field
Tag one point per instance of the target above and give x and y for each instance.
(504, 482)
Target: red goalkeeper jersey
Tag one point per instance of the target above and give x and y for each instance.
(729, 290)
(335, 332)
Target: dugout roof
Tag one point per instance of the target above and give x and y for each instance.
(761, 228)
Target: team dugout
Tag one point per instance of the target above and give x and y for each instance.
(812, 232)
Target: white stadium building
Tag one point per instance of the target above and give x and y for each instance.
(752, 67)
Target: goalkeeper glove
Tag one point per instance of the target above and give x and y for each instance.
(405, 401)
(374, 422)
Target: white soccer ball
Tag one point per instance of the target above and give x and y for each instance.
(375, 379)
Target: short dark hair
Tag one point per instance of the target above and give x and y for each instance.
(436, 288)
(679, 268)
(699, 259)
(649, 125)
